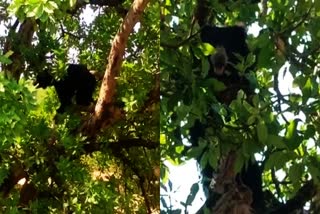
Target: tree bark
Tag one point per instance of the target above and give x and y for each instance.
(105, 111)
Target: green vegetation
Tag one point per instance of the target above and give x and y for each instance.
(282, 126)
(49, 163)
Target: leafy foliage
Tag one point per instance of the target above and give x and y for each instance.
(279, 124)
(64, 170)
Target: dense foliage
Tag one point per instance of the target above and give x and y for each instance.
(278, 126)
(47, 164)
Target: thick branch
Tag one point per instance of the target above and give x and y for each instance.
(305, 193)
(108, 88)
(126, 161)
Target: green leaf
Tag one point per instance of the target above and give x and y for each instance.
(193, 192)
(262, 131)
(9, 53)
(44, 17)
(5, 60)
(206, 210)
(250, 60)
(179, 149)
(251, 120)
(164, 174)
(177, 211)
(163, 201)
(276, 141)
(255, 100)
(72, 3)
(207, 49)
(278, 159)
(74, 200)
(295, 172)
(204, 159)
(314, 171)
(30, 2)
(49, 8)
(13, 8)
(195, 152)
(163, 139)
(264, 56)
(307, 90)
(309, 132)
(299, 81)
(317, 7)
(213, 157)
(4, 172)
(215, 85)
(292, 136)
(170, 185)
(52, 5)
(38, 11)
(205, 67)
(239, 163)
(251, 109)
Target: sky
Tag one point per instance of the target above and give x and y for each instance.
(182, 178)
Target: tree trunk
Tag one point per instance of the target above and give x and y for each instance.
(106, 112)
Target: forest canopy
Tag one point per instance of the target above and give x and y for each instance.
(98, 155)
(261, 149)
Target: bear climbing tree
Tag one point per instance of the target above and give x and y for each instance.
(78, 82)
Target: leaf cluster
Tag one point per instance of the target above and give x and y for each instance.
(278, 126)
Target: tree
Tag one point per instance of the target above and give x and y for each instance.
(275, 131)
(101, 159)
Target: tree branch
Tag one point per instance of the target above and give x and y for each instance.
(126, 161)
(108, 88)
(304, 194)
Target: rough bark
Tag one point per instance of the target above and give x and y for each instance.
(105, 111)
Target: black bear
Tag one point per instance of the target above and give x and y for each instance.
(78, 82)
(231, 48)
(229, 42)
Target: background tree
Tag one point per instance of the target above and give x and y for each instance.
(279, 130)
(102, 160)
